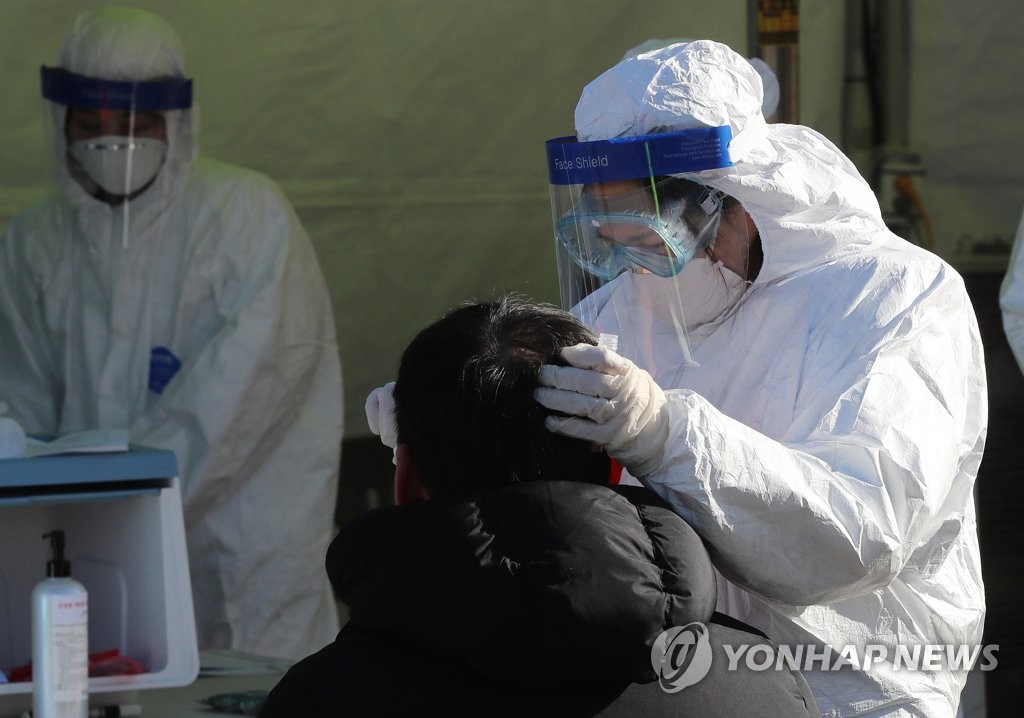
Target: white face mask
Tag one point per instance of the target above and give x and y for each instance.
(660, 321)
(704, 289)
(120, 165)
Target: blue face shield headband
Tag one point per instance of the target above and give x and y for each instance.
(617, 207)
(71, 90)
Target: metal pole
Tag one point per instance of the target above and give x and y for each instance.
(776, 41)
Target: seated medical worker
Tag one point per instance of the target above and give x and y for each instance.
(804, 387)
(180, 299)
(511, 579)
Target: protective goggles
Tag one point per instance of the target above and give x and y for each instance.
(72, 90)
(617, 206)
(659, 228)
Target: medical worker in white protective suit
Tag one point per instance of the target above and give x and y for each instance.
(182, 300)
(1011, 298)
(804, 387)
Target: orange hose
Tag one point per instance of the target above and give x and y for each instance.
(905, 186)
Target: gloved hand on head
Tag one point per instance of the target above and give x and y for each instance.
(611, 402)
(380, 415)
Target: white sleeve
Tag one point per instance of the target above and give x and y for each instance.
(839, 510)
(28, 377)
(1011, 297)
(265, 394)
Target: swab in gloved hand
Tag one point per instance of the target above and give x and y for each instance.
(380, 415)
(611, 402)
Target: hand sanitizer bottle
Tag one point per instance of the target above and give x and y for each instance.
(60, 640)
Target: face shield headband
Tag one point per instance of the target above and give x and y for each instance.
(617, 206)
(71, 90)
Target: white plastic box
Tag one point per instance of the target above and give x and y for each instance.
(125, 538)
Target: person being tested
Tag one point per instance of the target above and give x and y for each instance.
(805, 388)
(510, 580)
(181, 299)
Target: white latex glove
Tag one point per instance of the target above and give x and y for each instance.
(613, 403)
(380, 415)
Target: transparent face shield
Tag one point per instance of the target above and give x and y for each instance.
(111, 136)
(636, 233)
(656, 225)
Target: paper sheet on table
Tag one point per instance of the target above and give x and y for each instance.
(95, 441)
(237, 663)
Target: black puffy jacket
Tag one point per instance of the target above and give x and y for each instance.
(538, 599)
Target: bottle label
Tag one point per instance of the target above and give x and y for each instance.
(69, 639)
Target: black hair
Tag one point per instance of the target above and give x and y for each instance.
(464, 399)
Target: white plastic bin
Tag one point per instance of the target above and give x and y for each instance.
(125, 538)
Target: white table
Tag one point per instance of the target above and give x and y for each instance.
(184, 702)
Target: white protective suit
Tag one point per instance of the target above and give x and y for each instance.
(826, 446)
(218, 269)
(1011, 298)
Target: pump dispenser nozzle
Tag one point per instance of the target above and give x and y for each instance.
(57, 567)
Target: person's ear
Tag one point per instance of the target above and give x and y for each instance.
(409, 486)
